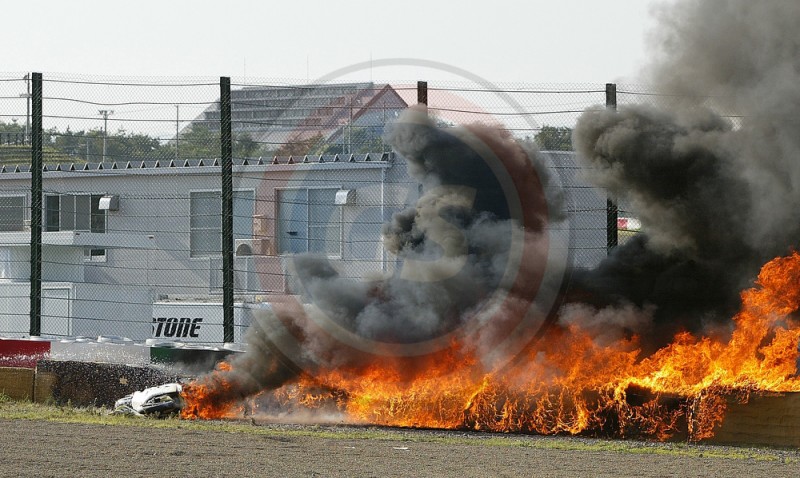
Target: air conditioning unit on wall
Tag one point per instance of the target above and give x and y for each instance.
(253, 247)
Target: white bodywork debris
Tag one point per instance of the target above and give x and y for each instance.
(159, 401)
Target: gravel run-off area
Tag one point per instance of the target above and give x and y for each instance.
(39, 448)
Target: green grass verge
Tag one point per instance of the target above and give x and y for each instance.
(23, 410)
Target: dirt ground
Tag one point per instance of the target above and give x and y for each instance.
(42, 449)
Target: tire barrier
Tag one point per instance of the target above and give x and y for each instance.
(97, 384)
(85, 372)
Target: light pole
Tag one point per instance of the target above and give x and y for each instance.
(105, 114)
(177, 128)
(27, 96)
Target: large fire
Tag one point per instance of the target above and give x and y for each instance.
(567, 382)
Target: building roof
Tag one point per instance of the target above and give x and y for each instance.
(276, 161)
(278, 114)
(79, 239)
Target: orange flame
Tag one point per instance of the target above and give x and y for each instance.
(211, 398)
(569, 383)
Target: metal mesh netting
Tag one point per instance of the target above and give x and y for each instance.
(647, 95)
(544, 115)
(14, 144)
(132, 212)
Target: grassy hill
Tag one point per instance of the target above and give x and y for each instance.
(11, 154)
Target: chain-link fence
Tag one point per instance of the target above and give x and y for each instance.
(132, 197)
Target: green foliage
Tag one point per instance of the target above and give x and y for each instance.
(357, 140)
(244, 146)
(11, 154)
(87, 146)
(13, 149)
(301, 147)
(13, 127)
(196, 142)
(554, 138)
(199, 142)
(134, 147)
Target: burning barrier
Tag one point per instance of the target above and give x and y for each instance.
(570, 384)
(649, 343)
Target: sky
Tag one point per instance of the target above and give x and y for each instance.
(525, 42)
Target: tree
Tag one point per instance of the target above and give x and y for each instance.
(244, 146)
(554, 138)
(70, 146)
(135, 147)
(80, 146)
(13, 147)
(198, 142)
(12, 127)
(301, 147)
(357, 140)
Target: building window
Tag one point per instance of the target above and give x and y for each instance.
(205, 221)
(76, 212)
(309, 221)
(12, 213)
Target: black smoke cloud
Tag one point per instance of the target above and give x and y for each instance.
(454, 243)
(455, 247)
(713, 172)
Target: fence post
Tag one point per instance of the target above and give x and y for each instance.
(226, 156)
(36, 208)
(612, 212)
(422, 92)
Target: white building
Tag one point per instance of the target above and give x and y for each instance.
(134, 234)
(133, 249)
